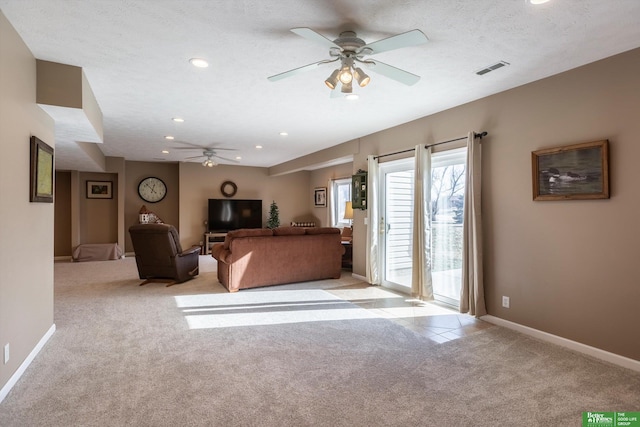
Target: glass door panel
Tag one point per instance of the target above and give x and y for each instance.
(397, 223)
(447, 199)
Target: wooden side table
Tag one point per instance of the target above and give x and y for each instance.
(210, 239)
(347, 257)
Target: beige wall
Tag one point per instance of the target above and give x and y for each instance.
(198, 184)
(62, 216)
(568, 266)
(168, 209)
(26, 229)
(98, 217)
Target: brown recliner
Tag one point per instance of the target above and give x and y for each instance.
(159, 255)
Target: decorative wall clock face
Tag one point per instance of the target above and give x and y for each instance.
(152, 189)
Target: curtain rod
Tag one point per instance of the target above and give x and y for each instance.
(475, 135)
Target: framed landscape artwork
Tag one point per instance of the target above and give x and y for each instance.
(571, 172)
(41, 176)
(320, 197)
(99, 189)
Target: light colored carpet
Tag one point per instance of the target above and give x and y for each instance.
(294, 355)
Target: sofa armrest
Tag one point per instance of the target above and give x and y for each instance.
(191, 250)
(220, 253)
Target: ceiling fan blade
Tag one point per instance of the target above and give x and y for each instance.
(410, 38)
(189, 144)
(393, 73)
(201, 148)
(299, 70)
(224, 158)
(314, 36)
(192, 157)
(221, 149)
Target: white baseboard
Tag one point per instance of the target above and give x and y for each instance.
(23, 367)
(613, 358)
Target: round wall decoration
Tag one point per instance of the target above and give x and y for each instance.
(152, 189)
(229, 188)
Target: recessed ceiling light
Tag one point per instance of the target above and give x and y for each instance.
(238, 158)
(177, 119)
(165, 152)
(283, 134)
(258, 146)
(199, 62)
(352, 96)
(538, 1)
(168, 137)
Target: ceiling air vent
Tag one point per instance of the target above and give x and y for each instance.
(492, 68)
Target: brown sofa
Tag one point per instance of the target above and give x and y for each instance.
(250, 258)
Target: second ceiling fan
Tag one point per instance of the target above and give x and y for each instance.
(349, 52)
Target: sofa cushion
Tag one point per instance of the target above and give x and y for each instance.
(322, 230)
(288, 231)
(246, 232)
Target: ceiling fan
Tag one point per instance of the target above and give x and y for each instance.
(349, 51)
(208, 153)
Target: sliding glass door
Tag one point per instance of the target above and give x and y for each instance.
(396, 224)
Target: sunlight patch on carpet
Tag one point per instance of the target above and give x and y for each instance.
(273, 307)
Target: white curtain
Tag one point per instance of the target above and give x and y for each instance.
(373, 227)
(330, 203)
(421, 284)
(472, 294)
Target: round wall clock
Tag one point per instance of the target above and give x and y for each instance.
(228, 188)
(152, 189)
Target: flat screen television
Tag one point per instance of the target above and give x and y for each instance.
(231, 214)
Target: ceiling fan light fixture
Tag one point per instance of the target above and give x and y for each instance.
(209, 163)
(347, 88)
(332, 80)
(345, 76)
(361, 77)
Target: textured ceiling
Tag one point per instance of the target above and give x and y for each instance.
(135, 55)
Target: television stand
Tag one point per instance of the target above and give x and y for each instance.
(210, 239)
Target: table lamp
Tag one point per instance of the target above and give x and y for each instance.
(348, 212)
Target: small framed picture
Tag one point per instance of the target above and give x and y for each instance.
(41, 176)
(571, 172)
(320, 197)
(99, 189)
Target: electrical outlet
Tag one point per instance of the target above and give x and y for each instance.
(6, 353)
(505, 302)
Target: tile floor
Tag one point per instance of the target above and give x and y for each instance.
(434, 321)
